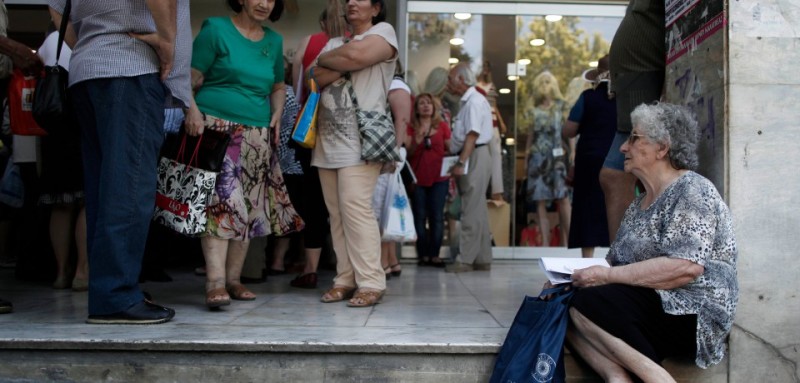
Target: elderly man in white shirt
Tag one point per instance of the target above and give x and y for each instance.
(472, 130)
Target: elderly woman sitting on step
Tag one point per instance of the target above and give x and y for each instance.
(671, 289)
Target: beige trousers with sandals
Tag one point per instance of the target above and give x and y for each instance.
(356, 237)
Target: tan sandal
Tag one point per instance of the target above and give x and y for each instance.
(337, 294)
(366, 297)
(240, 293)
(217, 297)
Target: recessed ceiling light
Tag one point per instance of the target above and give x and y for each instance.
(456, 41)
(593, 64)
(504, 91)
(512, 78)
(524, 61)
(553, 18)
(462, 16)
(537, 42)
(453, 60)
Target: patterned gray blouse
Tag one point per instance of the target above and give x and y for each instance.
(688, 221)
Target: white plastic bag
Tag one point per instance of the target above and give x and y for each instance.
(397, 219)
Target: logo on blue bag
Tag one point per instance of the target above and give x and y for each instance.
(545, 368)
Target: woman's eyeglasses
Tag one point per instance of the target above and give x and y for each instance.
(634, 137)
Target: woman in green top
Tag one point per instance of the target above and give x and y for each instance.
(237, 71)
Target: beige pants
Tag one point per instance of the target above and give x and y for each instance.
(354, 229)
(475, 241)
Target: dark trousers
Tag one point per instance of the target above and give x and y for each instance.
(428, 207)
(121, 122)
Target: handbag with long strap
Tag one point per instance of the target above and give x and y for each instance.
(376, 128)
(51, 107)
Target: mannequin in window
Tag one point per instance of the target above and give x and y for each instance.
(547, 156)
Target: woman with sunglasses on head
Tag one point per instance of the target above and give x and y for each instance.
(672, 288)
(427, 141)
(368, 59)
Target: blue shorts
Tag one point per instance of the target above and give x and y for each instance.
(615, 159)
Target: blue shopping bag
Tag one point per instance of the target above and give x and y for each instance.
(305, 129)
(534, 347)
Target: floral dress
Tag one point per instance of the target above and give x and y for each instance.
(547, 161)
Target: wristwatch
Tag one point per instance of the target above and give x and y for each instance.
(459, 164)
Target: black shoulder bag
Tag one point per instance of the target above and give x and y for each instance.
(51, 108)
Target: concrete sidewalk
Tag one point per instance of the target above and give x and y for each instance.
(431, 326)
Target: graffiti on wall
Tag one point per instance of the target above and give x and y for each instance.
(690, 91)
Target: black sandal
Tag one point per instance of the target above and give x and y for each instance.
(396, 273)
(305, 281)
(437, 262)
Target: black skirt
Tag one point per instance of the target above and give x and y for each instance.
(635, 315)
(62, 169)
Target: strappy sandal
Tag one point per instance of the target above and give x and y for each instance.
(396, 269)
(216, 298)
(240, 293)
(368, 298)
(337, 294)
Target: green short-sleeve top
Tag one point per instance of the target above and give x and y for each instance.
(238, 73)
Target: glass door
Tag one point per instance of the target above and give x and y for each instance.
(507, 45)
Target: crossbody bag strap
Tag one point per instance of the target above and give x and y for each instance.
(62, 30)
(351, 89)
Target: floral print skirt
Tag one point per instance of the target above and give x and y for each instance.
(239, 207)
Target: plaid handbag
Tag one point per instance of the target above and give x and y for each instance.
(378, 140)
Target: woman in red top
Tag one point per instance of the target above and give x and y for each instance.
(427, 141)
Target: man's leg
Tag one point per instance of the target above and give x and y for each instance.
(122, 119)
(618, 186)
(475, 240)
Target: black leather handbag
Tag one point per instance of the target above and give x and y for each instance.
(51, 107)
(210, 153)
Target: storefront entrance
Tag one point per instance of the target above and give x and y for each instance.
(507, 46)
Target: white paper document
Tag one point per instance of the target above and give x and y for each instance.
(559, 270)
(448, 162)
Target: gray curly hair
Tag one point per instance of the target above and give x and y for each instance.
(671, 125)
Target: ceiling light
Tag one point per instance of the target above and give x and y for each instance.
(524, 61)
(453, 60)
(593, 64)
(510, 141)
(504, 91)
(553, 18)
(456, 41)
(462, 16)
(512, 78)
(537, 42)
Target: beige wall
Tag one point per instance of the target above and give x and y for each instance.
(763, 129)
